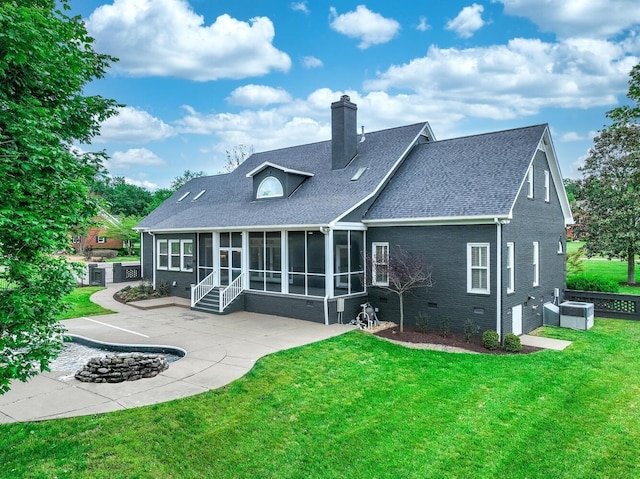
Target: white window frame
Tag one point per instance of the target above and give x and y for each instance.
(547, 184)
(560, 247)
(169, 255)
(262, 193)
(375, 261)
(536, 263)
(183, 264)
(511, 275)
(471, 268)
(530, 182)
(101, 239)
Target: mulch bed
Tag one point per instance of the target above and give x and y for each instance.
(413, 335)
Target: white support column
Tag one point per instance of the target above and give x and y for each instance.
(245, 259)
(284, 261)
(328, 272)
(215, 244)
(499, 279)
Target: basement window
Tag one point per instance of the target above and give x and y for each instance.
(183, 197)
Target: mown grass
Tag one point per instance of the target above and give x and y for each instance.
(81, 304)
(599, 266)
(356, 406)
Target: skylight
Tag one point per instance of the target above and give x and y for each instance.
(198, 195)
(183, 197)
(359, 173)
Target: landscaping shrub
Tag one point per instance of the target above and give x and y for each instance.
(591, 282)
(490, 339)
(143, 291)
(422, 322)
(470, 329)
(512, 343)
(445, 326)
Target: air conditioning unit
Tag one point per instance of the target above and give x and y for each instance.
(576, 315)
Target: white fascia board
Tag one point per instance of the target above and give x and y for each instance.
(267, 164)
(355, 226)
(439, 221)
(240, 228)
(556, 175)
(389, 174)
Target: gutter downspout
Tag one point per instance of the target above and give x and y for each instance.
(153, 259)
(499, 277)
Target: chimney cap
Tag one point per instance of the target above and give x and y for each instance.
(345, 98)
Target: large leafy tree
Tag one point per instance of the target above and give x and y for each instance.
(612, 195)
(46, 58)
(611, 185)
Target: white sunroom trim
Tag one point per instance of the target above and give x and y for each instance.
(439, 221)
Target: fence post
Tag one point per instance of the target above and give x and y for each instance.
(117, 273)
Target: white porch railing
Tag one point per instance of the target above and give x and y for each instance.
(200, 290)
(231, 292)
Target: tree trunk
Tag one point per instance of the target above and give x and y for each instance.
(631, 267)
(401, 313)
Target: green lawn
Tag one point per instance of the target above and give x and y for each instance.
(123, 259)
(81, 305)
(615, 269)
(358, 407)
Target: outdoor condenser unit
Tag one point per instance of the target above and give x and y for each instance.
(576, 315)
(550, 315)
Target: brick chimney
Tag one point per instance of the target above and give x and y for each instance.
(344, 132)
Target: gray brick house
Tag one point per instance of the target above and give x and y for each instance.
(288, 231)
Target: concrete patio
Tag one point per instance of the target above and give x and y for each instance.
(219, 349)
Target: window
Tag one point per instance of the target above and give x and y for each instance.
(265, 261)
(560, 246)
(101, 239)
(536, 263)
(478, 268)
(270, 187)
(530, 182)
(510, 268)
(349, 262)
(306, 263)
(175, 255)
(380, 264)
(547, 194)
(75, 239)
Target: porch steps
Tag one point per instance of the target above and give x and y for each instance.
(210, 303)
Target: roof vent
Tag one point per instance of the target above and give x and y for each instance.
(362, 138)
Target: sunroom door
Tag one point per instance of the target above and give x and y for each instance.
(230, 257)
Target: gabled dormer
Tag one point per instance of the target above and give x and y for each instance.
(275, 181)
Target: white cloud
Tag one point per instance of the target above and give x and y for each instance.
(167, 38)
(258, 95)
(133, 157)
(370, 27)
(516, 79)
(147, 185)
(300, 7)
(423, 26)
(132, 125)
(571, 136)
(311, 62)
(578, 18)
(468, 21)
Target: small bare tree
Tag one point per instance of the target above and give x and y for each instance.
(406, 271)
(236, 157)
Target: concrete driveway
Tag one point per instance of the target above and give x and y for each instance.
(219, 349)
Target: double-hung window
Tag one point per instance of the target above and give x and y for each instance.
(547, 186)
(478, 268)
(536, 263)
(510, 268)
(380, 264)
(530, 182)
(175, 255)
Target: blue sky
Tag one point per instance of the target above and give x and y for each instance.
(200, 77)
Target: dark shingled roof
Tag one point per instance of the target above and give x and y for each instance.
(472, 176)
(228, 202)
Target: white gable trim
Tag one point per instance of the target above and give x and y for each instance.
(546, 145)
(268, 164)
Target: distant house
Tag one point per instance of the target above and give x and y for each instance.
(96, 237)
(288, 231)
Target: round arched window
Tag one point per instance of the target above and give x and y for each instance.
(270, 187)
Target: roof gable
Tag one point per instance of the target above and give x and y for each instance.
(469, 178)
